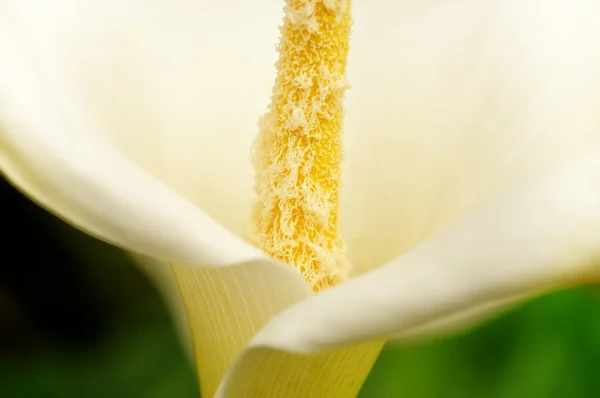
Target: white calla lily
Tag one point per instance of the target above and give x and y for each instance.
(471, 166)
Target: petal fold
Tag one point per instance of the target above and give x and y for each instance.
(53, 149)
(177, 86)
(226, 306)
(543, 236)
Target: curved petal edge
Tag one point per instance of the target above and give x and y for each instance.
(543, 236)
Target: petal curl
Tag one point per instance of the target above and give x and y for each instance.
(60, 160)
(178, 86)
(55, 148)
(543, 236)
(226, 306)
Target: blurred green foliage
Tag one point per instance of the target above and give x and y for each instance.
(547, 348)
(140, 358)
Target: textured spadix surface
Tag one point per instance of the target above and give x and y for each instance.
(298, 150)
(134, 121)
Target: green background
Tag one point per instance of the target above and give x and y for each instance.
(549, 347)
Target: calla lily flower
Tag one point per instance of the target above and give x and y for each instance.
(470, 179)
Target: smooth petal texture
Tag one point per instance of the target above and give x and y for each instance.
(177, 86)
(543, 236)
(53, 150)
(453, 102)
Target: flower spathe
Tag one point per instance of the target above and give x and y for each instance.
(470, 167)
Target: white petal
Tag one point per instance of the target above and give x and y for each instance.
(64, 62)
(54, 148)
(85, 180)
(543, 236)
(179, 86)
(453, 102)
